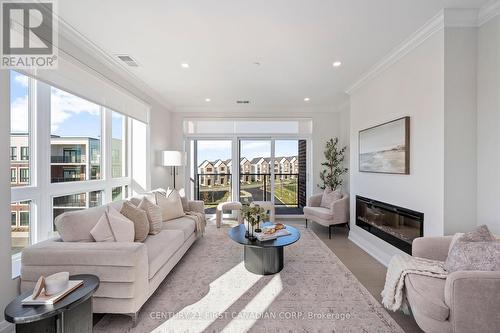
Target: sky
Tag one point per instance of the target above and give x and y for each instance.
(213, 150)
(70, 115)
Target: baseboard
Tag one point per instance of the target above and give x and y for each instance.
(376, 253)
(6, 327)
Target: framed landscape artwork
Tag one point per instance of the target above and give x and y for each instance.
(385, 148)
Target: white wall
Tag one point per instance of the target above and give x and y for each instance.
(411, 87)
(325, 125)
(460, 123)
(488, 125)
(160, 127)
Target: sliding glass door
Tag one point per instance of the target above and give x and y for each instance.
(255, 173)
(266, 169)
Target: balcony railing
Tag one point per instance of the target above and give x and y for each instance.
(215, 188)
(68, 159)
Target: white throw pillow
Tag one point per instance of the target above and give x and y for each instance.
(330, 197)
(113, 227)
(171, 205)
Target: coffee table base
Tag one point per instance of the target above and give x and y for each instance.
(263, 260)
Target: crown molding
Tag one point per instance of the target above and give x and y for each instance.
(80, 41)
(427, 30)
(488, 12)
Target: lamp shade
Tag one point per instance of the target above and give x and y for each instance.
(173, 158)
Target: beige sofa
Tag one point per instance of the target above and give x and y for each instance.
(466, 301)
(337, 213)
(129, 272)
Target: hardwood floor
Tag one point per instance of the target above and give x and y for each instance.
(367, 270)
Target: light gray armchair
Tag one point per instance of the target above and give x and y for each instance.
(337, 213)
(466, 301)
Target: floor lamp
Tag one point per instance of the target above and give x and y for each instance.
(174, 159)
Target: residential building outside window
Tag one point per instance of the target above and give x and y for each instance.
(13, 175)
(13, 153)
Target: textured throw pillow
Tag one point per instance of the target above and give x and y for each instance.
(455, 238)
(113, 227)
(171, 205)
(480, 234)
(139, 218)
(153, 213)
(474, 256)
(329, 197)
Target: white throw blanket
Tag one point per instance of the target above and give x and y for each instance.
(393, 297)
(199, 219)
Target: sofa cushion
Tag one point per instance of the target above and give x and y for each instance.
(426, 293)
(170, 204)
(161, 247)
(75, 226)
(329, 197)
(319, 212)
(185, 224)
(139, 218)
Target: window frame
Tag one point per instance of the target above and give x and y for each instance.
(40, 191)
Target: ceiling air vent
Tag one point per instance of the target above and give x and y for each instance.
(242, 102)
(128, 60)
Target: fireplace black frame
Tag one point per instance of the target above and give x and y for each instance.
(393, 240)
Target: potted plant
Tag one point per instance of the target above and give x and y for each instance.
(253, 215)
(332, 174)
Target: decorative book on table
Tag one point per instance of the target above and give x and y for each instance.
(43, 299)
(278, 233)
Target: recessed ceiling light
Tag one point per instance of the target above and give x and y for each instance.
(185, 65)
(207, 99)
(307, 99)
(337, 64)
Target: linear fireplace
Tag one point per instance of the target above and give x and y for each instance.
(396, 225)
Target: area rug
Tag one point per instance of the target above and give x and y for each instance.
(211, 291)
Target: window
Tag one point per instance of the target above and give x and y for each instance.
(24, 175)
(117, 193)
(24, 219)
(20, 231)
(13, 153)
(75, 132)
(20, 124)
(25, 154)
(75, 202)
